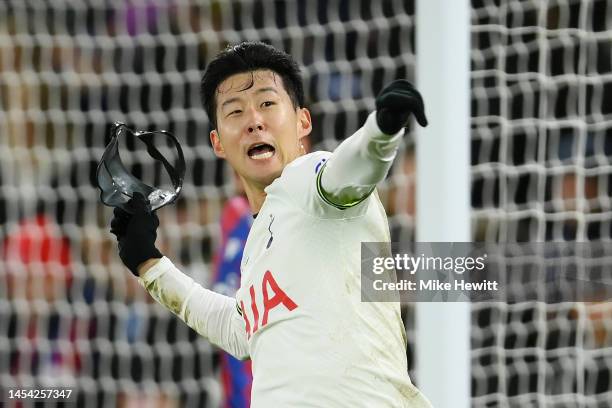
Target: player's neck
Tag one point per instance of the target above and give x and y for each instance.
(256, 196)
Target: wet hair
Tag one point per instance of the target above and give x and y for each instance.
(249, 57)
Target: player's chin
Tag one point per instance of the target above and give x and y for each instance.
(265, 171)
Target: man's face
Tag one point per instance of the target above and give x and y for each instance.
(258, 129)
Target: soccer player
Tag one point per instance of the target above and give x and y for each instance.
(298, 313)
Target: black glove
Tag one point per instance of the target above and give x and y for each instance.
(136, 233)
(395, 103)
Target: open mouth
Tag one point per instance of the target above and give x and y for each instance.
(261, 151)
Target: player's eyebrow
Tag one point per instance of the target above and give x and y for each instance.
(230, 100)
(237, 98)
(266, 89)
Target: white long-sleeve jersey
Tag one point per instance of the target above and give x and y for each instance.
(298, 313)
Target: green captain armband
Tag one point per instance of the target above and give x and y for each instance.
(325, 196)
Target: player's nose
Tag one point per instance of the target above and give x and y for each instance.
(255, 126)
(255, 121)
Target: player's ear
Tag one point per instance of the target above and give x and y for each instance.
(304, 122)
(216, 144)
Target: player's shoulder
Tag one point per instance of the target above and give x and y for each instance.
(301, 171)
(297, 182)
(311, 162)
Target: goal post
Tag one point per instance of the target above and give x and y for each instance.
(443, 188)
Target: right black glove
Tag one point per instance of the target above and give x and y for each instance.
(136, 233)
(394, 105)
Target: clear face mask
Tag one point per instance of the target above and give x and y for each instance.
(117, 185)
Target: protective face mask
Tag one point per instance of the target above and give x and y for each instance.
(117, 185)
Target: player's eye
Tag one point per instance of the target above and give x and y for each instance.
(267, 103)
(234, 112)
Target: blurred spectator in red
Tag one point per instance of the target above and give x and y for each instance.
(37, 260)
(37, 266)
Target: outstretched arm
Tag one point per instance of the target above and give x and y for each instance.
(212, 315)
(363, 160)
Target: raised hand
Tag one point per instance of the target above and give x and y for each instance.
(136, 233)
(395, 103)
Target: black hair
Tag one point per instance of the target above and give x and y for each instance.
(248, 57)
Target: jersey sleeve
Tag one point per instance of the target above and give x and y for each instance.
(299, 186)
(359, 163)
(210, 314)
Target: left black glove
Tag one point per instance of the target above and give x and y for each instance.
(395, 103)
(136, 233)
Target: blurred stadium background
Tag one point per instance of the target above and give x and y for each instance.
(71, 315)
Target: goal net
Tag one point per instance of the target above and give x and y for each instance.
(541, 100)
(72, 316)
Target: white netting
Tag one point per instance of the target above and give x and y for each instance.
(541, 155)
(541, 101)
